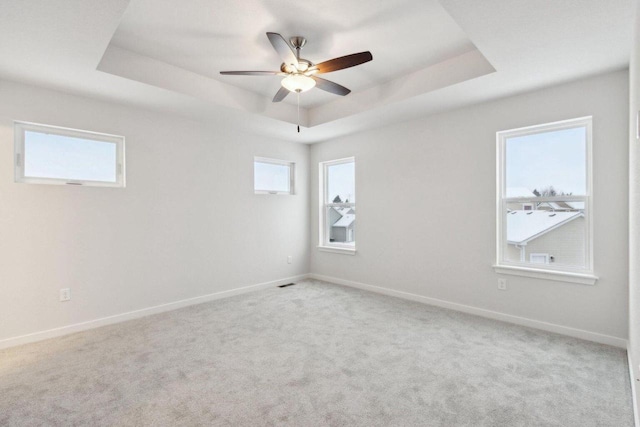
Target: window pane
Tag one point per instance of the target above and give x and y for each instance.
(342, 225)
(547, 164)
(341, 183)
(272, 177)
(65, 157)
(546, 233)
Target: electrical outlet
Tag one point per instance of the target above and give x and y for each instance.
(502, 284)
(289, 259)
(65, 294)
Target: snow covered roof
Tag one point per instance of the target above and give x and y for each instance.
(519, 192)
(523, 226)
(345, 221)
(561, 206)
(343, 211)
(575, 205)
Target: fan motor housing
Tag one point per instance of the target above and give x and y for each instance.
(304, 65)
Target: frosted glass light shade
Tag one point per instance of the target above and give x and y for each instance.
(298, 83)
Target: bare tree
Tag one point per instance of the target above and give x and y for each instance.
(549, 192)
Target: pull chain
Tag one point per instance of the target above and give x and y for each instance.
(298, 93)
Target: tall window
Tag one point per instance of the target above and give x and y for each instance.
(544, 199)
(338, 205)
(55, 155)
(272, 176)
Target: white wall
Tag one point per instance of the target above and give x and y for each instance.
(426, 207)
(186, 225)
(634, 205)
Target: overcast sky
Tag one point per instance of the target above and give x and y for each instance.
(271, 177)
(555, 159)
(63, 157)
(342, 182)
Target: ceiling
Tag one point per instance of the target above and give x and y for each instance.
(429, 55)
(206, 37)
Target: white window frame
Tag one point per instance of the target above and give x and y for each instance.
(20, 128)
(292, 174)
(324, 204)
(545, 271)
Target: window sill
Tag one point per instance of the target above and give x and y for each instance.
(337, 250)
(274, 193)
(560, 276)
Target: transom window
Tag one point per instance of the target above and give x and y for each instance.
(55, 155)
(338, 205)
(544, 198)
(271, 176)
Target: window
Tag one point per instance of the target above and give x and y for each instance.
(338, 206)
(272, 176)
(544, 201)
(55, 155)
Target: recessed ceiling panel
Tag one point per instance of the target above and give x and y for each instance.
(206, 37)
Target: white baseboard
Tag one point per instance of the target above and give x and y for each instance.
(634, 395)
(77, 327)
(96, 323)
(523, 321)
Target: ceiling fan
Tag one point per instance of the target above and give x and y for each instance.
(299, 73)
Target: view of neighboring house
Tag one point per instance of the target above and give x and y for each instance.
(519, 192)
(545, 232)
(343, 222)
(545, 237)
(561, 206)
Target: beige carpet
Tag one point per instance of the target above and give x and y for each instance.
(314, 354)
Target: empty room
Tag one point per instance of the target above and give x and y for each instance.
(329, 213)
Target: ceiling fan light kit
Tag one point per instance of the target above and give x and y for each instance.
(300, 73)
(298, 83)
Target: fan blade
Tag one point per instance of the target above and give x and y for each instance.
(330, 86)
(344, 62)
(284, 50)
(281, 94)
(250, 73)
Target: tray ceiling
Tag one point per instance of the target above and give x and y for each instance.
(429, 56)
